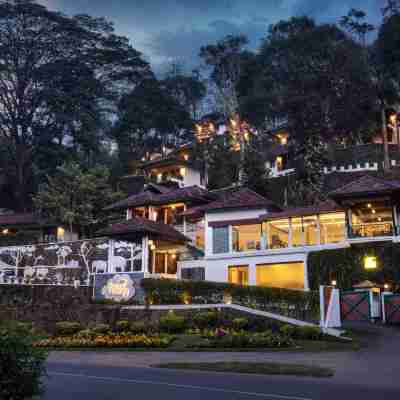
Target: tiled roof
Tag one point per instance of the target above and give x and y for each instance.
(19, 219)
(367, 184)
(189, 194)
(139, 226)
(235, 199)
(325, 207)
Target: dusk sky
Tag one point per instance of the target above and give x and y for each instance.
(164, 30)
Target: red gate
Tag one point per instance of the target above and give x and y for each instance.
(392, 308)
(355, 306)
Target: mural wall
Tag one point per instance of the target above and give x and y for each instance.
(68, 263)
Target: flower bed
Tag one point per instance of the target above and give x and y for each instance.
(107, 341)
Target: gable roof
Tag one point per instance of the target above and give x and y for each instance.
(141, 226)
(194, 194)
(324, 207)
(365, 185)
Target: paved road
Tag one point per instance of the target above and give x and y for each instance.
(372, 373)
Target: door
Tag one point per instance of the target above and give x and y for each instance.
(392, 308)
(356, 306)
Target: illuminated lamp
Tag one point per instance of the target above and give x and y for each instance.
(153, 247)
(334, 283)
(151, 242)
(173, 256)
(370, 262)
(373, 211)
(60, 232)
(386, 286)
(186, 157)
(369, 205)
(182, 171)
(5, 231)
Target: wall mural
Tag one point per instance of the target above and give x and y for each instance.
(67, 263)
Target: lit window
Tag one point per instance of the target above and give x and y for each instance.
(239, 275)
(246, 238)
(278, 234)
(285, 275)
(333, 227)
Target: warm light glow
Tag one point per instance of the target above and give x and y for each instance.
(369, 205)
(182, 171)
(199, 128)
(370, 262)
(393, 118)
(173, 256)
(186, 157)
(373, 211)
(233, 122)
(386, 286)
(155, 214)
(60, 232)
(151, 242)
(211, 127)
(334, 283)
(246, 136)
(5, 231)
(159, 176)
(153, 247)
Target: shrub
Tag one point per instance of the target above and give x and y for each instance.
(205, 320)
(138, 327)
(288, 330)
(86, 333)
(101, 329)
(240, 323)
(122, 326)
(67, 328)
(21, 366)
(172, 323)
(309, 332)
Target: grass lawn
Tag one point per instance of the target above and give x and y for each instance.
(268, 368)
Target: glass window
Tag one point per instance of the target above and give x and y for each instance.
(278, 234)
(372, 219)
(159, 263)
(246, 237)
(333, 228)
(200, 232)
(172, 263)
(310, 228)
(221, 240)
(285, 275)
(239, 275)
(297, 232)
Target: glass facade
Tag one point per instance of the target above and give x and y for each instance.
(239, 275)
(333, 227)
(277, 233)
(284, 275)
(246, 238)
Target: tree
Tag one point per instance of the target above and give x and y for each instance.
(57, 75)
(149, 118)
(77, 198)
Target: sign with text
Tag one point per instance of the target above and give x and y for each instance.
(119, 287)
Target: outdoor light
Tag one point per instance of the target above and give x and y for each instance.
(182, 171)
(386, 286)
(152, 247)
(333, 283)
(369, 205)
(5, 231)
(373, 211)
(151, 242)
(370, 262)
(186, 157)
(60, 232)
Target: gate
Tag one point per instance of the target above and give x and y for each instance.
(392, 308)
(355, 306)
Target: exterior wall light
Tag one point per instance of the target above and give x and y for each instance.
(386, 286)
(370, 262)
(60, 232)
(334, 283)
(182, 171)
(5, 231)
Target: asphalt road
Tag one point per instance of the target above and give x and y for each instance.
(68, 381)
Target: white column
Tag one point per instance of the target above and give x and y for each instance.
(230, 238)
(110, 256)
(145, 254)
(306, 283)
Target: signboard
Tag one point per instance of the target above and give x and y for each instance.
(119, 287)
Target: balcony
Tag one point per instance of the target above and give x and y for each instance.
(371, 230)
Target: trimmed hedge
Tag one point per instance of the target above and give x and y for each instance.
(292, 303)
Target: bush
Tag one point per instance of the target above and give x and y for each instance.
(21, 366)
(240, 323)
(101, 329)
(86, 333)
(308, 332)
(138, 327)
(122, 326)
(205, 320)
(288, 330)
(172, 323)
(67, 328)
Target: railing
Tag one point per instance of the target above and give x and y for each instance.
(371, 230)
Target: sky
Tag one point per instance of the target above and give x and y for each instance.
(174, 30)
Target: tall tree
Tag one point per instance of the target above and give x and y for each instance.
(57, 74)
(77, 197)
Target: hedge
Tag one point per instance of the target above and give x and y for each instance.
(292, 303)
(346, 266)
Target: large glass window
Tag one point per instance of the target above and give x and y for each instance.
(246, 237)
(221, 240)
(310, 228)
(285, 275)
(239, 275)
(333, 227)
(278, 234)
(297, 232)
(372, 219)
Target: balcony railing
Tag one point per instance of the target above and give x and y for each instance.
(371, 230)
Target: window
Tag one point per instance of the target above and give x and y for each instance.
(372, 219)
(285, 275)
(332, 228)
(165, 263)
(246, 237)
(193, 274)
(310, 228)
(200, 232)
(221, 240)
(239, 275)
(297, 232)
(278, 234)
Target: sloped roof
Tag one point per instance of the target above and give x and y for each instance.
(235, 199)
(146, 197)
(324, 207)
(367, 184)
(140, 226)
(20, 219)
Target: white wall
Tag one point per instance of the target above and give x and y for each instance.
(192, 177)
